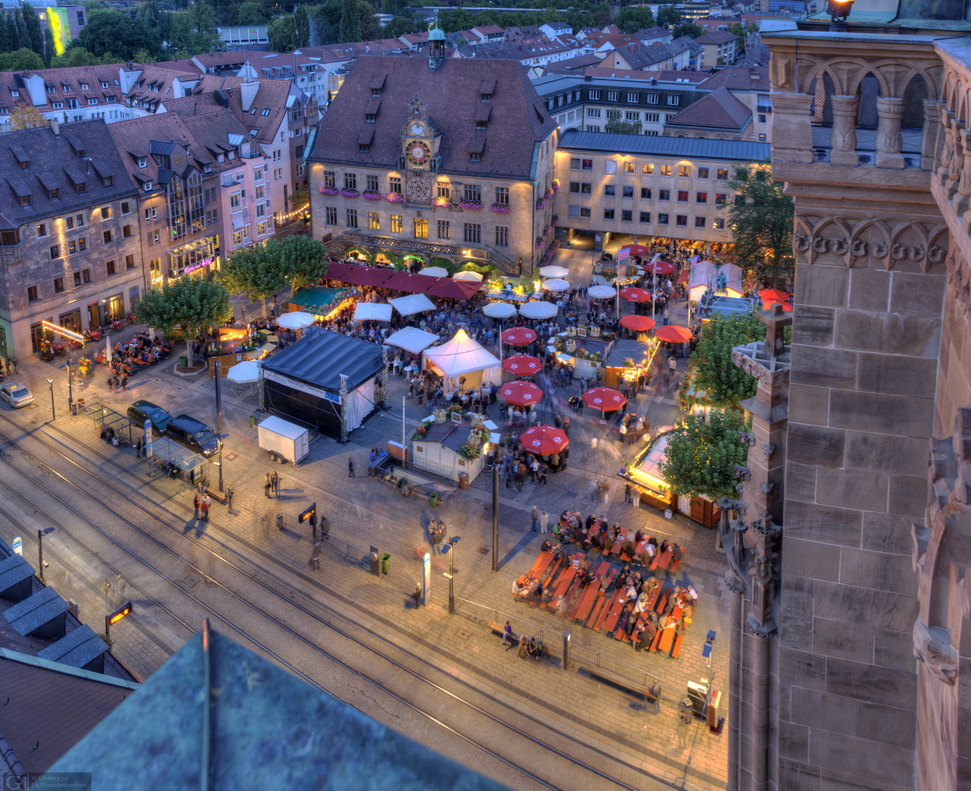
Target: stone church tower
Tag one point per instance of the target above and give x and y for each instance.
(866, 682)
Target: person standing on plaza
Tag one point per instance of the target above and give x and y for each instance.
(229, 499)
(195, 504)
(535, 518)
(267, 485)
(507, 633)
(138, 448)
(350, 468)
(275, 480)
(544, 522)
(204, 507)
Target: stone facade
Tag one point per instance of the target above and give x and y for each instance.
(867, 690)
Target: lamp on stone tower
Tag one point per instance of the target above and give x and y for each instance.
(839, 11)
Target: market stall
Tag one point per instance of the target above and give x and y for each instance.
(325, 379)
(318, 300)
(451, 446)
(463, 358)
(412, 339)
(627, 360)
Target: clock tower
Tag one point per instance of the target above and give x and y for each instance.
(419, 152)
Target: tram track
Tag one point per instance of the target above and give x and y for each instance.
(596, 777)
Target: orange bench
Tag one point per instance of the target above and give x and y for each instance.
(677, 646)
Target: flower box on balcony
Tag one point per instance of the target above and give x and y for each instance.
(394, 197)
(472, 205)
(325, 190)
(501, 208)
(372, 195)
(350, 193)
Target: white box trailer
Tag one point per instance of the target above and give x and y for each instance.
(284, 441)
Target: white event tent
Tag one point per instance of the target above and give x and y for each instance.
(412, 339)
(463, 357)
(413, 303)
(372, 311)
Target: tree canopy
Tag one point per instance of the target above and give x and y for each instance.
(617, 126)
(260, 271)
(702, 455)
(688, 29)
(400, 26)
(22, 60)
(189, 303)
(26, 116)
(350, 30)
(761, 222)
(634, 18)
(668, 15)
(711, 362)
(117, 33)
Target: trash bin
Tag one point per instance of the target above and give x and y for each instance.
(463, 480)
(385, 562)
(183, 361)
(252, 420)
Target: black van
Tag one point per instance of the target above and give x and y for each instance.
(194, 435)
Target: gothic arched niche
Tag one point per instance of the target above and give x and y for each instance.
(914, 95)
(941, 10)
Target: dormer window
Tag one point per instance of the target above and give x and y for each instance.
(25, 200)
(253, 111)
(370, 118)
(51, 89)
(486, 97)
(207, 168)
(481, 125)
(475, 157)
(81, 187)
(84, 86)
(265, 113)
(148, 186)
(142, 162)
(67, 89)
(108, 181)
(363, 148)
(14, 93)
(375, 92)
(104, 83)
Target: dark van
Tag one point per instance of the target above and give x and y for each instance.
(142, 410)
(194, 435)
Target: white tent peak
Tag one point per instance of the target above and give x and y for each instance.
(461, 355)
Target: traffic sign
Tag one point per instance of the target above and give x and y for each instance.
(18, 545)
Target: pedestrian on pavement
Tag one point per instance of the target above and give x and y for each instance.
(196, 502)
(636, 497)
(416, 595)
(627, 493)
(124, 383)
(437, 534)
(275, 480)
(655, 692)
(138, 448)
(542, 474)
(12, 364)
(350, 468)
(544, 522)
(204, 507)
(535, 518)
(229, 499)
(267, 485)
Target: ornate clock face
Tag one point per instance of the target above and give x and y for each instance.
(419, 190)
(417, 153)
(417, 128)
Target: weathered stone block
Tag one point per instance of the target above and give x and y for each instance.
(867, 760)
(878, 609)
(882, 414)
(813, 326)
(877, 570)
(809, 404)
(796, 627)
(815, 445)
(823, 523)
(906, 376)
(894, 650)
(793, 741)
(919, 294)
(887, 724)
(812, 365)
(800, 481)
(864, 489)
(796, 776)
(821, 286)
(882, 533)
(870, 683)
(842, 639)
(816, 709)
(808, 559)
(885, 453)
(908, 496)
(802, 669)
(886, 333)
(838, 781)
(869, 290)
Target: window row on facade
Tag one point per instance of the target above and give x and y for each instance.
(80, 278)
(418, 228)
(611, 166)
(661, 218)
(647, 193)
(443, 187)
(630, 97)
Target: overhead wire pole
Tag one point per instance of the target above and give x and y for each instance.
(219, 423)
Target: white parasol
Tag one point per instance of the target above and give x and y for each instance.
(467, 276)
(244, 373)
(556, 285)
(296, 320)
(434, 271)
(538, 310)
(499, 310)
(554, 271)
(602, 292)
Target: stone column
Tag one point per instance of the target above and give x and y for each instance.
(947, 144)
(963, 198)
(843, 138)
(956, 166)
(889, 143)
(929, 138)
(791, 127)
(736, 674)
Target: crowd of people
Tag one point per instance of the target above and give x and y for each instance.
(127, 357)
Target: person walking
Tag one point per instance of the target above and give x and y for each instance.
(229, 499)
(655, 692)
(535, 518)
(416, 595)
(204, 507)
(275, 480)
(138, 448)
(436, 536)
(195, 504)
(350, 468)
(267, 485)
(124, 382)
(544, 522)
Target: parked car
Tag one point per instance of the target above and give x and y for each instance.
(194, 435)
(16, 394)
(141, 411)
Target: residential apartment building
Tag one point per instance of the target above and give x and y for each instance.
(636, 185)
(69, 248)
(436, 157)
(588, 102)
(750, 85)
(718, 48)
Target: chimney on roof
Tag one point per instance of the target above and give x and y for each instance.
(247, 94)
(55, 127)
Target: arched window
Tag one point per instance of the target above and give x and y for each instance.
(821, 109)
(866, 111)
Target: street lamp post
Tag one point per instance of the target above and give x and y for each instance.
(70, 388)
(495, 512)
(50, 386)
(451, 574)
(219, 424)
(40, 549)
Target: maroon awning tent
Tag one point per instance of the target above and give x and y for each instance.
(409, 283)
(454, 289)
(367, 276)
(337, 269)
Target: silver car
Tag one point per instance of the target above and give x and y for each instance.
(16, 394)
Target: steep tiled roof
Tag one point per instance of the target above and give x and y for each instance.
(453, 95)
(739, 79)
(716, 37)
(718, 110)
(667, 146)
(57, 163)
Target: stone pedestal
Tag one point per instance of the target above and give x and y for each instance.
(889, 144)
(843, 139)
(791, 128)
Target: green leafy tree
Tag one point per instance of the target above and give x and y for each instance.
(370, 27)
(455, 19)
(190, 304)
(667, 16)
(688, 29)
(74, 56)
(394, 7)
(619, 127)
(115, 32)
(282, 34)
(26, 116)
(761, 222)
(301, 27)
(711, 361)
(258, 272)
(30, 28)
(350, 22)
(252, 12)
(601, 15)
(400, 26)
(738, 30)
(305, 260)
(702, 455)
(634, 18)
(21, 60)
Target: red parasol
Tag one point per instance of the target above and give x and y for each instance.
(520, 393)
(522, 365)
(544, 440)
(673, 334)
(773, 295)
(604, 398)
(635, 294)
(518, 336)
(638, 323)
(634, 249)
(770, 302)
(660, 267)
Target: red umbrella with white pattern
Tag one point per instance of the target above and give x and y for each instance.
(520, 393)
(522, 365)
(606, 399)
(544, 440)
